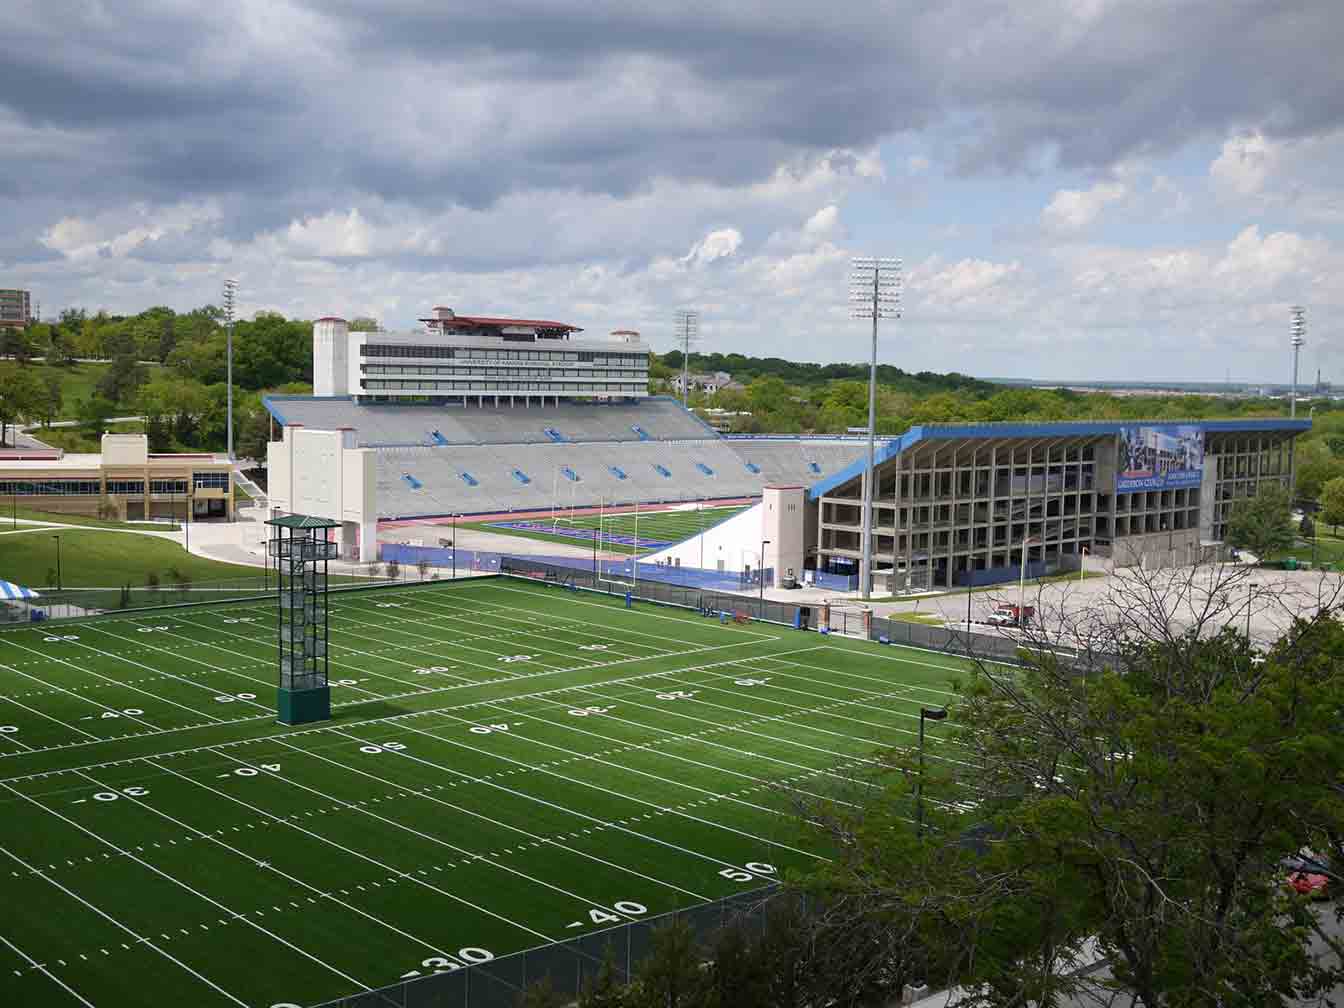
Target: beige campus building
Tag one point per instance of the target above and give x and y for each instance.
(125, 482)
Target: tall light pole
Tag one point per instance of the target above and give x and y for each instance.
(874, 293)
(688, 331)
(1298, 328)
(925, 714)
(1251, 586)
(230, 289)
(1022, 579)
(58, 562)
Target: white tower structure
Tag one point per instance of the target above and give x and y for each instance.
(331, 349)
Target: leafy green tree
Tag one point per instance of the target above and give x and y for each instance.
(21, 395)
(737, 975)
(364, 324)
(669, 977)
(605, 989)
(1134, 804)
(1315, 466)
(93, 415)
(1307, 528)
(542, 994)
(1263, 524)
(53, 397)
(1332, 503)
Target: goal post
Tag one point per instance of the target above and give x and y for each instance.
(846, 616)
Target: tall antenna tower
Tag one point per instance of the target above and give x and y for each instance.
(688, 331)
(1298, 328)
(230, 289)
(874, 293)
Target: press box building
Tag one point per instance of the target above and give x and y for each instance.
(953, 504)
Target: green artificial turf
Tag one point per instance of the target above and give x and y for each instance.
(509, 765)
(654, 527)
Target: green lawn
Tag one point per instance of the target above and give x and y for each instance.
(1328, 550)
(654, 527)
(80, 381)
(509, 766)
(7, 511)
(101, 558)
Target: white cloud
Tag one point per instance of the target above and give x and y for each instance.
(1246, 163)
(120, 234)
(332, 235)
(718, 244)
(1072, 210)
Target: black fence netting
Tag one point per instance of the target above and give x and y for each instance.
(568, 965)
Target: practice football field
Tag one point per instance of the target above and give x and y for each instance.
(656, 528)
(509, 764)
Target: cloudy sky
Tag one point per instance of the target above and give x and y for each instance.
(1078, 188)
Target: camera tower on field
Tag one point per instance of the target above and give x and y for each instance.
(300, 548)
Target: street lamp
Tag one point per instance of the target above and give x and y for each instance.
(1251, 586)
(1298, 328)
(874, 293)
(58, 561)
(925, 714)
(1082, 567)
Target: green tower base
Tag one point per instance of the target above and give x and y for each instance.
(296, 707)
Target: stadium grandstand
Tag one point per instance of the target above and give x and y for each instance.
(569, 431)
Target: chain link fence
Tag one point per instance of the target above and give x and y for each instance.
(569, 965)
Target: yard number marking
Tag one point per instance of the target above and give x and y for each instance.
(240, 619)
(432, 669)
(515, 657)
(753, 869)
(388, 605)
(488, 729)
(247, 771)
(136, 791)
(8, 729)
(750, 682)
(128, 712)
(64, 637)
(444, 964)
(152, 629)
(677, 695)
(385, 747)
(226, 698)
(593, 647)
(585, 711)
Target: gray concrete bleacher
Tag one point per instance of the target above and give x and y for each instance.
(387, 424)
(424, 451)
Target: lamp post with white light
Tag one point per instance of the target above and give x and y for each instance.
(874, 293)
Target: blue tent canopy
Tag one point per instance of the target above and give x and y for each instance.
(9, 590)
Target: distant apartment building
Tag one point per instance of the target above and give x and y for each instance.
(707, 383)
(16, 308)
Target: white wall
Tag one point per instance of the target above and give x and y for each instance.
(736, 542)
(784, 511)
(331, 344)
(320, 473)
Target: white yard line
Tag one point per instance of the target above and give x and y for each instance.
(390, 719)
(49, 717)
(606, 823)
(297, 881)
(33, 964)
(535, 837)
(642, 801)
(109, 679)
(461, 851)
(363, 857)
(141, 939)
(195, 892)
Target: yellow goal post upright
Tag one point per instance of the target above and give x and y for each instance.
(846, 616)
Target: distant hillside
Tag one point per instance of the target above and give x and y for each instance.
(745, 369)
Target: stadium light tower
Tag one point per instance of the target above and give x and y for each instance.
(230, 289)
(688, 331)
(874, 293)
(1298, 327)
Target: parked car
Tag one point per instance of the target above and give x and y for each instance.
(1308, 874)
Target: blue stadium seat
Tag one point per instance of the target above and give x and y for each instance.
(411, 481)
(662, 471)
(522, 477)
(704, 469)
(753, 468)
(569, 474)
(643, 434)
(618, 472)
(469, 479)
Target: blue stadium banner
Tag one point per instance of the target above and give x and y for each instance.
(1167, 457)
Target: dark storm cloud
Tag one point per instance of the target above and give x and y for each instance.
(436, 104)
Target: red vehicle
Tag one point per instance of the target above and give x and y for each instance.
(1007, 614)
(1307, 876)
